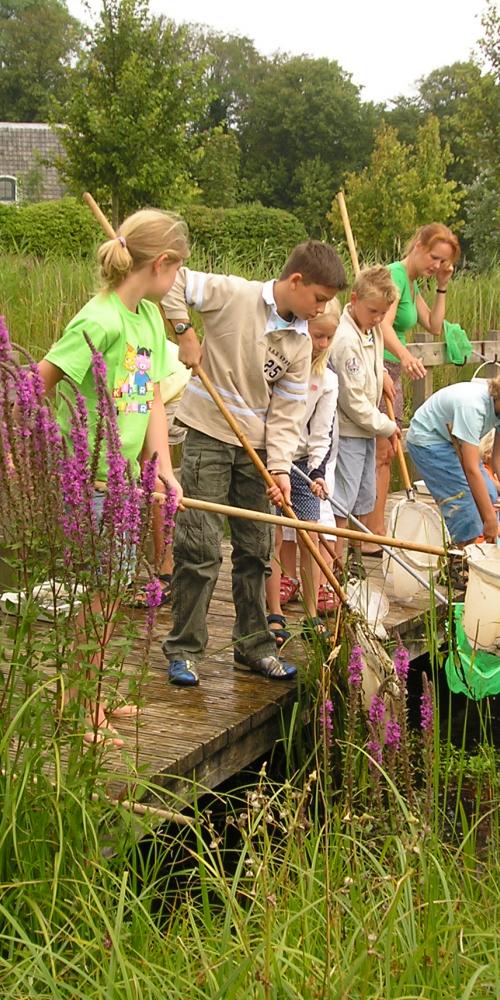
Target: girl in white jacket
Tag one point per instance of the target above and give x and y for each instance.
(311, 456)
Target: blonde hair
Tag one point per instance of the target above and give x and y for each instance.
(486, 446)
(435, 232)
(494, 387)
(329, 320)
(376, 281)
(141, 239)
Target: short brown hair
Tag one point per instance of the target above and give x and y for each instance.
(318, 263)
(375, 281)
(435, 232)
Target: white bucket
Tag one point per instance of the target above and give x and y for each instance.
(417, 522)
(481, 620)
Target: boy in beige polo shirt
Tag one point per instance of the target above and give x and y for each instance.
(257, 353)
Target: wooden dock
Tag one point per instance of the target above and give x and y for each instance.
(210, 732)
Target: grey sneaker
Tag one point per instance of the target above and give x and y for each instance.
(268, 666)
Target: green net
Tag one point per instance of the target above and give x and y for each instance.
(458, 345)
(471, 671)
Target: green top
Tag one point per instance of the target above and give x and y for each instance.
(406, 313)
(134, 348)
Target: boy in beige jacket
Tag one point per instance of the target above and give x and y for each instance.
(257, 353)
(358, 359)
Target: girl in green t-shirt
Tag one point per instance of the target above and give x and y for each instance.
(138, 267)
(432, 252)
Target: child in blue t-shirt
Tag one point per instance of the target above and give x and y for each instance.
(443, 441)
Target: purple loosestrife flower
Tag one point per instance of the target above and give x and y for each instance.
(375, 750)
(355, 667)
(5, 344)
(393, 734)
(325, 718)
(376, 711)
(426, 707)
(401, 662)
(149, 477)
(169, 508)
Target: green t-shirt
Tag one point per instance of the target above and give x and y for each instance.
(134, 348)
(406, 313)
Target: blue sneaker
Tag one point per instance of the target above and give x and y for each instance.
(183, 673)
(269, 666)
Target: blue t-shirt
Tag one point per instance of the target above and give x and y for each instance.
(467, 408)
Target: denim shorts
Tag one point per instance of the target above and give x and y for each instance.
(441, 469)
(355, 475)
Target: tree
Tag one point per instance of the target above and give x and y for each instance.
(232, 67)
(302, 109)
(126, 125)
(402, 188)
(313, 185)
(218, 169)
(38, 43)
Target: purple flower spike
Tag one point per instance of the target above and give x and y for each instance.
(376, 711)
(355, 667)
(375, 750)
(325, 718)
(149, 475)
(401, 662)
(153, 593)
(393, 734)
(5, 345)
(426, 707)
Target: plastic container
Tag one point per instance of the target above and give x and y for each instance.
(418, 522)
(481, 620)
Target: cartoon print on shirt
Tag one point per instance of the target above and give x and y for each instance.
(143, 362)
(134, 392)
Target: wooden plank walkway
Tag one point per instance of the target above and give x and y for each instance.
(213, 731)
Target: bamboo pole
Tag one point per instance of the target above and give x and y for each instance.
(293, 522)
(388, 402)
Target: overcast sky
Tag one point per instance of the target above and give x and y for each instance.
(385, 45)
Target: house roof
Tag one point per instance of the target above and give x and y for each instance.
(25, 146)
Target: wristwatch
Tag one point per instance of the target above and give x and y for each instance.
(182, 327)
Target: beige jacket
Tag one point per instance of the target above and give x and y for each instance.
(358, 359)
(262, 373)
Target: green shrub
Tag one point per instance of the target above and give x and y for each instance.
(49, 229)
(245, 233)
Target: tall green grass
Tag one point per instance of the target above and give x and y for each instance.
(39, 297)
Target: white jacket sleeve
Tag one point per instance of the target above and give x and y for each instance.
(200, 291)
(319, 439)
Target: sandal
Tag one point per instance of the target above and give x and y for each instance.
(314, 628)
(289, 588)
(327, 599)
(281, 634)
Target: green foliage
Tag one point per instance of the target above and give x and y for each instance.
(232, 67)
(302, 109)
(38, 41)
(245, 233)
(134, 92)
(313, 182)
(48, 229)
(402, 188)
(217, 170)
(482, 222)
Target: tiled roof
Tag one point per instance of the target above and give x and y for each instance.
(22, 146)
